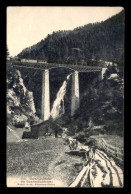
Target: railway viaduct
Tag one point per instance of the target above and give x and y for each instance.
(45, 67)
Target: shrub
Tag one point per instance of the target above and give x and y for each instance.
(19, 121)
(91, 142)
(19, 125)
(81, 137)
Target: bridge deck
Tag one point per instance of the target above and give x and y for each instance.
(44, 66)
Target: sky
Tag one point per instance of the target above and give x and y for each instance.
(27, 26)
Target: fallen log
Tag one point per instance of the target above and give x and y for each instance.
(81, 174)
(91, 179)
(86, 175)
(79, 177)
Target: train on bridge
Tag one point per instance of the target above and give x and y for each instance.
(25, 60)
(95, 63)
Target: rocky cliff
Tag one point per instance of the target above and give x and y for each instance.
(20, 102)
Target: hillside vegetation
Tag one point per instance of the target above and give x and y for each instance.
(101, 103)
(102, 40)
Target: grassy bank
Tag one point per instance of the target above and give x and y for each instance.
(44, 158)
(113, 140)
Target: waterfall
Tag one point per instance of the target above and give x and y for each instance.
(58, 106)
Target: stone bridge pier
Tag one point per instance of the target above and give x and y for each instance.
(75, 99)
(75, 92)
(45, 102)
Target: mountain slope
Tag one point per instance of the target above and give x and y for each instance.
(104, 40)
(20, 101)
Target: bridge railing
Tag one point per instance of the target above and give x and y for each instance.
(36, 65)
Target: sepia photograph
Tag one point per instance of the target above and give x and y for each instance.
(65, 96)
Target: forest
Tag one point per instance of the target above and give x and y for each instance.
(83, 45)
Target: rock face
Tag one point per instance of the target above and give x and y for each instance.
(20, 102)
